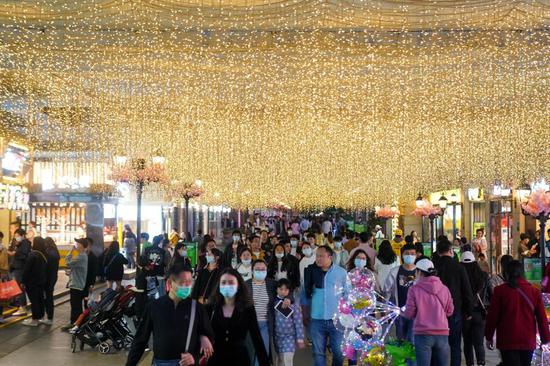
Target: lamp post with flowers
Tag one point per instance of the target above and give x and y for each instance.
(538, 207)
(187, 191)
(139, 174)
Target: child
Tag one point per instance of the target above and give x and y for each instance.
(429, 303)
(288, 331)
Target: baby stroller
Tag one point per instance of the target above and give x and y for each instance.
(103, 324)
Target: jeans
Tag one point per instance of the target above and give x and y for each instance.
(455, 337)
(76, 296)
(17, 275)
(404, 332)
(473, 333)
(431, 350)
(264, 331)
(516, 358)
(131, 260)
(36, 296)
(319, 331)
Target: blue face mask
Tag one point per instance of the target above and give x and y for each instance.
(409, 259)
(183, 292)
(260, 275)
(247, 261)
(360, 263)
(228, 291)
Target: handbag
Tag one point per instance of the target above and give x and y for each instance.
(9, 290)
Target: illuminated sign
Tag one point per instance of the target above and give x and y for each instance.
(14, 197)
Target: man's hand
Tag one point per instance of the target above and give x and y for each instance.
(206, 347)
(286, 303)
(300, 344)
(187, 359)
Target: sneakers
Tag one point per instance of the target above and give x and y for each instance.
(20, 312)
(67, 327)
(45, 321)
(30, 322)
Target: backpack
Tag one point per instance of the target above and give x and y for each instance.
(483, 298)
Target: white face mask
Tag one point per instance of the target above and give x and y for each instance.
(279, 255)
(307, 252)
(19, 239)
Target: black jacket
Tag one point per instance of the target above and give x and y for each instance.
(113, 265)
(170, 325)
(51, 268)
(205, 284)
(34, 273)
(228, 254)
(22, 251)
(454, 276)
(230, 337)
(292, 267)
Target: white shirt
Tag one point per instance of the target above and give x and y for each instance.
(383, 270)
(245, 271)
(280, 274)
(304, 263)
(326, 226)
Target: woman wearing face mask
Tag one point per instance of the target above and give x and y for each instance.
(233, 317)
(359, 259)
(171, 346)
(180, 255)
(245, 267)
(233, 250)
(341, 256)
(282, 265)
(205, 285)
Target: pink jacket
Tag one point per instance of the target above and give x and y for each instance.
(429, 303)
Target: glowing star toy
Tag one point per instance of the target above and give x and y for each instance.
(365, 317)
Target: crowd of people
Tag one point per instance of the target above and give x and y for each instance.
(275, 282)
(268, 289)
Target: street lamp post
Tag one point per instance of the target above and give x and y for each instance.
(454, 203)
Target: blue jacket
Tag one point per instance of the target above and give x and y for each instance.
(324, 289)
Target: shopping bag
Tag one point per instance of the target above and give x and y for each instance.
(9, 290)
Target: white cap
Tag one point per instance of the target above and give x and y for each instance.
(467, 257)
(425, 265)
(378, 227)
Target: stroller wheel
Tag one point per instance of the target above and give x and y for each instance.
(81, 345)
(119, 344)
(73, 344)
(104, 348)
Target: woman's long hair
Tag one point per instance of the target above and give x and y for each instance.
(51, 247)
(477, 277)
(514, 271)
(272, 265)
(39, 244)
(386, 255)
(114, 247)
(243, 298)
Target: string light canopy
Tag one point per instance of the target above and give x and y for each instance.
(312, 103)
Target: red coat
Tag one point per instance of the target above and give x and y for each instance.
(514, 321)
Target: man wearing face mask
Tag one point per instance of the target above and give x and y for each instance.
(396, 288)
(341, 255)
(181, 329)
(19, 256)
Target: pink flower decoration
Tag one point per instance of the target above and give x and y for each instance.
(427, 209)
(538, 204)
(187, 190)
(387, 212)
(129, 173)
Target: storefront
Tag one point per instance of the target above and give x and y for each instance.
(64, 216)
(452, 213)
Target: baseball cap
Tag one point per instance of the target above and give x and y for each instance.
(398, 232)
(425, 265)
(467, 257)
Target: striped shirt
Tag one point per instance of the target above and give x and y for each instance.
(261, 300)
